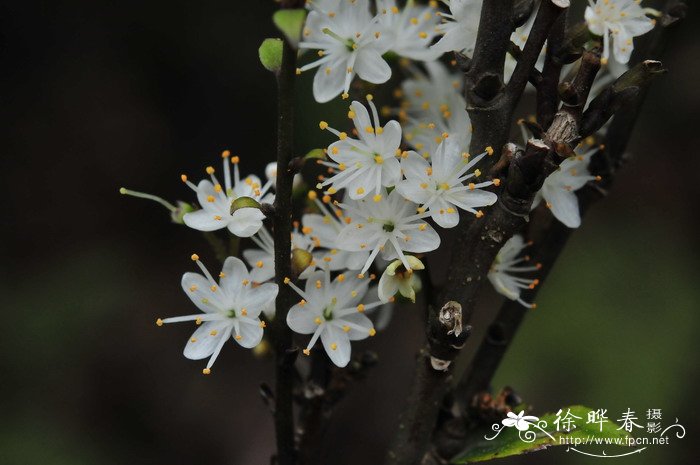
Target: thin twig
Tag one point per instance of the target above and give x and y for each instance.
(281, 333)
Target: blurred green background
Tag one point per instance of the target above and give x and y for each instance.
(98, 94)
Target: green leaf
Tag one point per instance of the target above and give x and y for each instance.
(290, 22)
(244, 202)
(270, 53)
(315, 154)
(509, 442)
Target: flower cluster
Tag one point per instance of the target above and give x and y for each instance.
(389, 180)
(350, 40)
(618, 22)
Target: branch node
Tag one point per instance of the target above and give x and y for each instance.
(450, 317)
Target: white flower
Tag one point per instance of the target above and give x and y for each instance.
(366, 164)
(397, 278)
(506, 264)
(390, 226)
(331, 310)
(216, 200)
(262, 260)
(412, 29)
(323, 230)
(460, 26)
(231, 308)
(558, 190)
(439, 188)
(520, 421)
(433, 107)
(618, 21)
(350, 41)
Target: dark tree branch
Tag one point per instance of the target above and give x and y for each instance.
(445, 337)
(546, 16)
(326, 386)
(564, 133)
(522, 10)
(535, 77)
(550, 237)
(484, 78)
(623, 91)
(282, 218)
(490, 109)
(548, 90)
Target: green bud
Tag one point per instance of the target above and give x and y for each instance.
(301, 259)
(270, 53)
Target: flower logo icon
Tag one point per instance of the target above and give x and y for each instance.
(520, 421)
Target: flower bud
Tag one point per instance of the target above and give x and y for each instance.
(262, 350)
(301, 259)
(398, 278)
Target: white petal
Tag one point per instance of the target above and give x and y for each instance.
(256, 299)
(352, 238)
(331, 336)
(447, 159)
(197, 288)
(391, 171)
(246, 221)
(327, 86)
(371, 67)
(564, 206)
(361, 118)
(504, 285)
(205, 343)
(473, 198)
(420, 241)
(622, 46)
(301, 319)
(390, 138)
(454, 40)
(388, 287)
(234, 272)
(415, 167)
(203, 220)
(251, 335)
(321, 228)
(444, 214)
(360, 320)
(638, 25)
(256, 257)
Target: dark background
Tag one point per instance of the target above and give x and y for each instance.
(95, 95)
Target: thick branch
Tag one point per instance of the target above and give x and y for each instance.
(548, 88)
(550, 237)
(484, 78)
(446, 336)
(281, 333)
